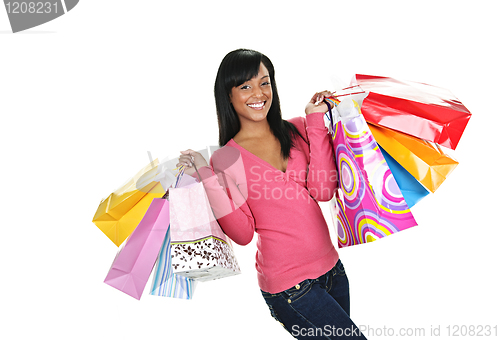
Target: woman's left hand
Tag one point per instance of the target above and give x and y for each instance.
(316, 103)
(192, 160)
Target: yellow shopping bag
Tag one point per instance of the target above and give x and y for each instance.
(119, 213)
(422, 159)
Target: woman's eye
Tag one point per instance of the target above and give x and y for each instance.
(244, 87)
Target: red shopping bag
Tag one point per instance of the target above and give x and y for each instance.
(420, 110)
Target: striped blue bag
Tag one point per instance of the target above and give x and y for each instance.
(165, 282)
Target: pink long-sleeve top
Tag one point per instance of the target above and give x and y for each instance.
(249, 195)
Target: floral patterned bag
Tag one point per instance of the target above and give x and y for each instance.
(199, 248)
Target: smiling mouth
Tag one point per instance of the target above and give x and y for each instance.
(257, 106)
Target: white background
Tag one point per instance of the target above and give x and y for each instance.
(84, 97)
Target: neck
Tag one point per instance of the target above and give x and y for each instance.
(254, 130)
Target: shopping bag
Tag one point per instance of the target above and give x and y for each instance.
(133, 264)
(370, 205)
(420, 110)
(119, 213)
(424, 160)
(165, 282)
(410, 188)
(200, 249)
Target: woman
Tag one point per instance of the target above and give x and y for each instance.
(267, 179)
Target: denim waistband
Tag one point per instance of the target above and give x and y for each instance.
(337, 269)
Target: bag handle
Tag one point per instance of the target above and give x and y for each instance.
(179, 175)
(329, 112)
(334, 208)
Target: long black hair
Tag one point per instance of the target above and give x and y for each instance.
(236, 68)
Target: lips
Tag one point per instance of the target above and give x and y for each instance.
(257, 106)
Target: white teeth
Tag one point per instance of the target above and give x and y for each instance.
(256, 105)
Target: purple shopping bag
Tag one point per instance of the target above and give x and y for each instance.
(134, 262)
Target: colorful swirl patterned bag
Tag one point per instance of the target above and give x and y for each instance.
(371, 205)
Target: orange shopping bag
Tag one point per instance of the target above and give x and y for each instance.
(424, 160)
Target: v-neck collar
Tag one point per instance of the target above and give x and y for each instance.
(260, 160)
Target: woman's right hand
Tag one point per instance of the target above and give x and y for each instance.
(189, 158)
(316, 104)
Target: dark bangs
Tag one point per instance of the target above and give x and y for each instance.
(240, 68)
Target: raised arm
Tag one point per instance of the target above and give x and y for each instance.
(322, 175)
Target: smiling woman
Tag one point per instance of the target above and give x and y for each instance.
(287, 167)
(252, 99)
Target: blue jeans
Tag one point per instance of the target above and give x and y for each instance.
(316, 308)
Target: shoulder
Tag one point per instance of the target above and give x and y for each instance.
(299, 123)
(229, 151)
(227, 157)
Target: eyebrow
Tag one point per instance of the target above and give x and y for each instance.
(266, 76)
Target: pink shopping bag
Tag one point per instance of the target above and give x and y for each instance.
(134, 262)
(200, 249)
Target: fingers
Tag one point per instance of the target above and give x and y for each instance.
(319, 99)
(186, 160)
(317, 103)
(190, 157)
(188, 152)
(320, 96)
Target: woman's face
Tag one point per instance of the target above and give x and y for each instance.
(252, 99)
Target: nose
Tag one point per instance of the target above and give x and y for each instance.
(257, 92)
